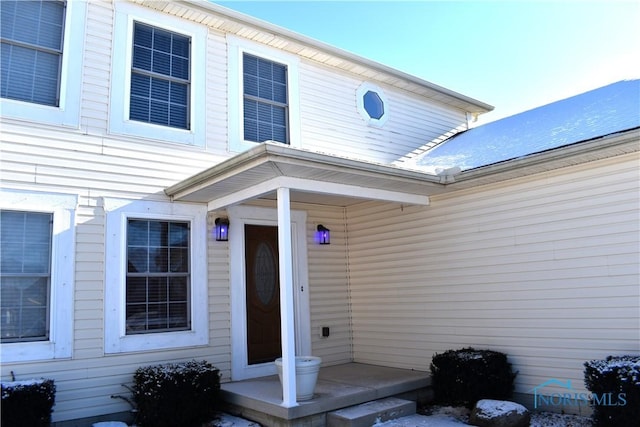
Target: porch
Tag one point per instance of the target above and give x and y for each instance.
(338, 387)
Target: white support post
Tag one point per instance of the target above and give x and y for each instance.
(286, 300)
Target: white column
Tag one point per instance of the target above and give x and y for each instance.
(286, 300)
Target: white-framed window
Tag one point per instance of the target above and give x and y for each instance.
(156, 276)
(159, 77)
(41, 65)
(372, 104)
(263, 95)
(36, 275)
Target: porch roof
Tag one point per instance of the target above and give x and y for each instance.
(337, 181)
(312, 177)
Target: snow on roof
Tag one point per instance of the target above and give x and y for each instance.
(604, 111)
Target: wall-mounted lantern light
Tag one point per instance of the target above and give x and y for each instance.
(323, 235)
(222, 229)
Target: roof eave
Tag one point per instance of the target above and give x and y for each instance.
(463, 102)
(603, 147)
(269, 160)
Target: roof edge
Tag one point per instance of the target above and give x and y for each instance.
(481, 107)
(276, 152)
(581, 152)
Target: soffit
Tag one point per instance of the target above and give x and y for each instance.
(312, 177)
(230, 21)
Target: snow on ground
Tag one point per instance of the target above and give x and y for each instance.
(422, 421)
(448, 416)
(226, 420)
(438, 416)
(549, 419)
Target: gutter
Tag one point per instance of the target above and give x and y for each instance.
(208, 6)
(580, 152)
(275, 152)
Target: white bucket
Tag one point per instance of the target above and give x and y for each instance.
(307, 368)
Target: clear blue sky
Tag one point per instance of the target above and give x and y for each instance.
(515, 55)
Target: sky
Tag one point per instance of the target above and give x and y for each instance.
(514, 55)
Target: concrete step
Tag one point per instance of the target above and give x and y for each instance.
(367, 414)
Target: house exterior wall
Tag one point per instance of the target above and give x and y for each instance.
(348, 280)
(543, 268)
(89, 161)
(329, 117)
(329, 286)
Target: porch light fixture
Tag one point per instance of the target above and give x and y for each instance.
(323, 235)
(222, 229)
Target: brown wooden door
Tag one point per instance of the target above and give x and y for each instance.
(263, 293)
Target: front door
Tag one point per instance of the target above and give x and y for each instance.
(263, 294)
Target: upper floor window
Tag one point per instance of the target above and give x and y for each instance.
(41, 60)
(372, 104)
(160, 77)
(263, 95)
(265, 100)
(32, 39)
(25, 275)
(36, 275)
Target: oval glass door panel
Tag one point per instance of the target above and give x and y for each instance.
(265, 273)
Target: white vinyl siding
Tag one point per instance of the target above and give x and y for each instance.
(331, 122)
(85, 383)
(542, 268)
(104, 166)
(402, 309)
(329, 287)
(219, 304)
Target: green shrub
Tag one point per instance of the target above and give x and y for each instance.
(462, 377)
(183, 394)
(27, 403)
(615, 382)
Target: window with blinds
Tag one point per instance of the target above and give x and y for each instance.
(25, 275)
(265, 100)
(160, 77)
(32, 39)
(158, 276)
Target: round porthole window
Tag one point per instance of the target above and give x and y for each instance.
(372, 104)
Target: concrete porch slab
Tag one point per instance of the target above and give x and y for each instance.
(337, 387)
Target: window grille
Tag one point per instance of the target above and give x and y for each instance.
(158, 276)
(265, 100)
(160, 77)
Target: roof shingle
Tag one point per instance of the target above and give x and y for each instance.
(604, 111)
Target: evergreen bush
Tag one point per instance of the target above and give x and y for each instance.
(615, 386)
(183, 394)
(27, 403)
(462, 377)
